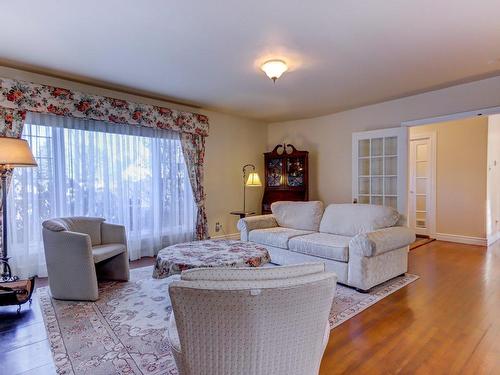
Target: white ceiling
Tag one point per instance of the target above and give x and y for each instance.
(343, 54)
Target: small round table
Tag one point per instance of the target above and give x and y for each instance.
(209, 253)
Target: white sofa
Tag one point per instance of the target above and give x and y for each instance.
(363, 244)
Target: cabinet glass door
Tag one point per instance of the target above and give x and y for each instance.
(295, 172)
(275, 172)
(378, 160)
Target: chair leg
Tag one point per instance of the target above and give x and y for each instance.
(115, 268)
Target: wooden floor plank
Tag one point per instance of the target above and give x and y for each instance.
(447, 322)
(25, 358)
(9, 318)
(48, 369)
(21, 336)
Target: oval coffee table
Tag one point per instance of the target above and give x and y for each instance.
(209, 253)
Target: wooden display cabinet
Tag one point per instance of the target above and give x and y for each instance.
(286, 176)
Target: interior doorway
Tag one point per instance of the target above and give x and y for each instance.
(442, 174)
(422, 184)
(447, 179)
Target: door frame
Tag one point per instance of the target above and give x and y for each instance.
(452, 116)
(432, 209)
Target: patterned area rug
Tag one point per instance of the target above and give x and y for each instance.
(122, 333)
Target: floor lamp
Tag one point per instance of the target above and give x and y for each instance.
(14, 152)
(253, 180)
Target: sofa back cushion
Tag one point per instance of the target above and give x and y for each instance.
(252, 273)
(86, 225)
(352, 219)
(298, 215)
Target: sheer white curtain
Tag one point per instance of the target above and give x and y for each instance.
(129, 175)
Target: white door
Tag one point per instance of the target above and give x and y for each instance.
(421, 185)
(379, 167)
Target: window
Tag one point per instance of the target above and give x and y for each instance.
(129, 175)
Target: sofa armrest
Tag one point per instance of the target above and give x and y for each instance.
(67, 251)
(113, 233)
(381, 241)
(247, 224)
(66, 241)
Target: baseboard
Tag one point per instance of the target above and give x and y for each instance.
(493, 238)
(468, 240)
(231, 236)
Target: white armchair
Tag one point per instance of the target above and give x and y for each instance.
(78, 250)
(252, 321)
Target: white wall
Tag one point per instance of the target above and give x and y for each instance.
(232, 142)
(493, 189)
(328, 138)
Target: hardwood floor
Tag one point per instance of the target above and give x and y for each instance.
(447, 322)
(420, 242)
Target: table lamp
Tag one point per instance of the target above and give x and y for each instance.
(14, 152)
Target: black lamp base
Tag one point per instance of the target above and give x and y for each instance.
(6, 276)
(6, 273)
(8, 279)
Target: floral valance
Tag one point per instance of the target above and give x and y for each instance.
(25, 96)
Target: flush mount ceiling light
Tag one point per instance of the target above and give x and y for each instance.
(274, 68)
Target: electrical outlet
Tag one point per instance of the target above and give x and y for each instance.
(218, 226)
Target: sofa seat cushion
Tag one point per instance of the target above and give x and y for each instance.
(323, 245)
(103, 252)
(277, 237)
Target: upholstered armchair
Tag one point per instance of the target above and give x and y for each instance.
(78, 251)
(252, 321)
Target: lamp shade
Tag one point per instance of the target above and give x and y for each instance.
(15, 152)
(274, 68)
(253, 180)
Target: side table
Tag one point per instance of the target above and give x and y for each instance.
(16, 292)
(242, 214)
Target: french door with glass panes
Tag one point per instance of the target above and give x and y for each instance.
(421, 184)
(379, 167)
